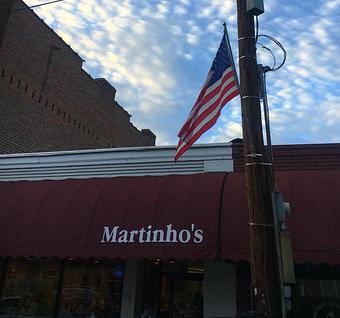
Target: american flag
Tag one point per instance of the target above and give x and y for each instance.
(219, 88)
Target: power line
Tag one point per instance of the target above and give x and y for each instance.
(36, 5)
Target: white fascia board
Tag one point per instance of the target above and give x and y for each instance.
(115, 162)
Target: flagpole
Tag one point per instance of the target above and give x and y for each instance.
(231, 55)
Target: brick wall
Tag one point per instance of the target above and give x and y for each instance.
(296, 157)
(47, 101)
(5, 9)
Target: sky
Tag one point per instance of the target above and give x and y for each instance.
(157, 55)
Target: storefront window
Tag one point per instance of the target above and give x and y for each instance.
(317, 291)
(3, 264)
(318, 298)
(175, 288)
(2, 273)
(29, 288)
(91, 290)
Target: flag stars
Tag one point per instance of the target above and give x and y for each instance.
(220, 63)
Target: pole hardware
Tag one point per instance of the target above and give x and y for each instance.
(282, 210)
(260, 224)
(246, 38)
(255, 7)
(254, 155)
(244, 56)
(259, 163)
(254, 97)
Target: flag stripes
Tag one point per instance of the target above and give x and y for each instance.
(219, 88)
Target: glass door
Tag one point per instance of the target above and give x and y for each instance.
(181, 296)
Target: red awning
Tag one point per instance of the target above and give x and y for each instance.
(314, 222)
(113, 217)
(165, 216)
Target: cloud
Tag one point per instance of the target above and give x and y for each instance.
(188, 56)
(330, 6)
(70, 20)
(217, 8)
(162, 10)
(226, 132)
(192, 38)
(180, 10)
(213, 26)
(157, 55)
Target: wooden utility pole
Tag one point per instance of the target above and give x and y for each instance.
(259, 178)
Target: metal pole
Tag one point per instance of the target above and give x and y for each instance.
(263, 93)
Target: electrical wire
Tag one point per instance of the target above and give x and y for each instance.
(271, 38)
(37, 5)
(271, 52)
(274, 69)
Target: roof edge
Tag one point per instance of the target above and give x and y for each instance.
(112, 162)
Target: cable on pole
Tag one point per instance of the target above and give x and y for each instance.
(274, 69)
(271, 52)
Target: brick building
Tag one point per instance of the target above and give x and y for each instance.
(47, 101)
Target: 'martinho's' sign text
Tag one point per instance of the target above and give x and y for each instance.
(150, 235)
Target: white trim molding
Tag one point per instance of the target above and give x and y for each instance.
(112, 162)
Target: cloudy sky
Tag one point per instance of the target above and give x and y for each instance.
(158, 53)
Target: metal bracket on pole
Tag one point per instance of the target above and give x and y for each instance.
(254, 155)
(255, 7)
(282, 209)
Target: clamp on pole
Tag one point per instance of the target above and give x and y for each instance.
(259, 163)
(261, 224)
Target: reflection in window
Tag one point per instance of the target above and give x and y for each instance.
(91, 290)
(2, 268)
(318, 298)
(174, 289)
(29, 288)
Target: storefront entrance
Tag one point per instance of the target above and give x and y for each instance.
(181, 295)
(175, 288)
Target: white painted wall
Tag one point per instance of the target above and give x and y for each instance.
(219, 290)
(133, 283)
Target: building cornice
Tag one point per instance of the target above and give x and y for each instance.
(112, 162)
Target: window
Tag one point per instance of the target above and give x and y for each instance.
(29, 289)
(92, 288)
(317, 291)
(174, 289)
